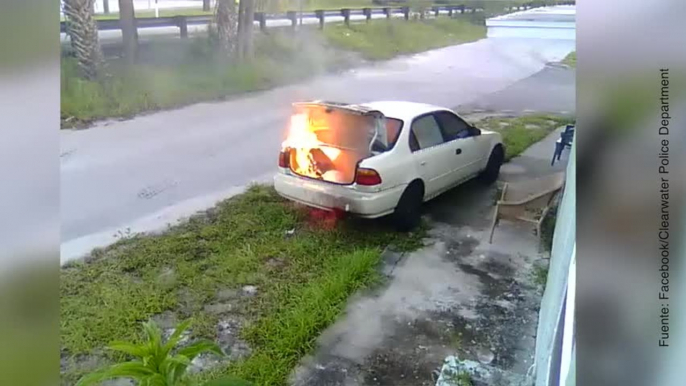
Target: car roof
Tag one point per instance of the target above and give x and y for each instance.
(402, 109)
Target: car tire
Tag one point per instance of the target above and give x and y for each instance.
(408, 212)
(495, 161)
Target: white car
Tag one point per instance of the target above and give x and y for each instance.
(381, 158)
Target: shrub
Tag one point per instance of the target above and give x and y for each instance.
(159, 363)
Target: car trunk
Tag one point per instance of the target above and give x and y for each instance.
(326, 141)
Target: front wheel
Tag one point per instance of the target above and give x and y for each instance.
(495, 161)
(408, 213)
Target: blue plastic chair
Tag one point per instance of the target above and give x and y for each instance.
(565, 141)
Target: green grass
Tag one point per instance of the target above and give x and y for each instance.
(521, 132)
(570, 59)
(173, 73)
(459, 378)
(318, 268)
(540, 275)
(385, 39)
(548, 229)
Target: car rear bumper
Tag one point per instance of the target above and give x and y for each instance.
(329, 196)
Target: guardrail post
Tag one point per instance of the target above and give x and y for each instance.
(345, 12)
(461, 8)
(450, 11)
(292, 16)
(320, 15)
(262, 19)
(406, 13)
(387, 12)
(436, 10)
(182, 23)
(368, 13)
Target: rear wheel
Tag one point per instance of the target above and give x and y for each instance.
(407, 214)
(495, 161)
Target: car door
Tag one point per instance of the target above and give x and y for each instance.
(431, 157)
(466, 143)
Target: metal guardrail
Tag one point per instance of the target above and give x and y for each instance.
(182, 22)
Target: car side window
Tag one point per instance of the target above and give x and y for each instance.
(426, 133)
(452, 126)
(414, 145)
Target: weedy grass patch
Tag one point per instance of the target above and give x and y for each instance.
(175, 72)
(385, 39)
(521, 132)
(570, 59)
(235, 244)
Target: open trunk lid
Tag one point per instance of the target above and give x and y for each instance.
(326, 140)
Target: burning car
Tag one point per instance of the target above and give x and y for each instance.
(381, 158)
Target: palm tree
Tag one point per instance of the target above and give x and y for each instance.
(83, 33)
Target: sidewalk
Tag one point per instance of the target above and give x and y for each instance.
(457, 296)
(535, 161)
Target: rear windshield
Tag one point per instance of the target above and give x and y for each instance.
(337, 128)
(393, 128)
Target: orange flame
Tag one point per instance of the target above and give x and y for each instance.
(303, 139)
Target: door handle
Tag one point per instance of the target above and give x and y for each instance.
(423, 163)
(458, 151)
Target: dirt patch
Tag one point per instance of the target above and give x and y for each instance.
(228, 338)
(412, 357)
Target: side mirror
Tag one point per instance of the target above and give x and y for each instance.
(474, 131)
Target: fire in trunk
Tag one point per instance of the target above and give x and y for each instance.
(326, 142)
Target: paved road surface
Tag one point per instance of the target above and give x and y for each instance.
(146, 172)
(551, 90)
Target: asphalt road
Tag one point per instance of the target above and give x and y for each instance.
(551, 90)
(144, 173)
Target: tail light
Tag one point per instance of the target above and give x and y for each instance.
(284, 159)
(367, 177)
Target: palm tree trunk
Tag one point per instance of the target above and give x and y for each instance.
(129, 33)
(227, 23)
(83, 33)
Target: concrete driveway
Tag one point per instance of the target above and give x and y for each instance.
(459, 295)
(141, 174)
